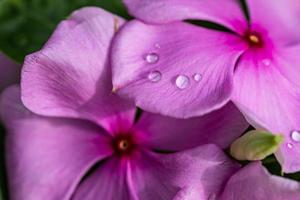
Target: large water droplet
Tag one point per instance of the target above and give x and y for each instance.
(182, 81)
(154, 76)
(197, 77)
(266, 62)
(290, 145)
(152, 58)
(295, 135)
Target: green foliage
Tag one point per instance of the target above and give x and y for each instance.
(25, 25)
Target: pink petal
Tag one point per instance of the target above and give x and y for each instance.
(194, 174)
(266, 89)
(70, 76)
(281, 18)
(253, 182)
(47, 157)
(9, 71)
(108, 182)
(164, 11)
(156, 67)
(219, 127)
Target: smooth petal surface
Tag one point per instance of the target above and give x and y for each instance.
(177, 69)
(107, 182)
(267, 92)
(194, 174)
(220, 127)
(280, 18)
(255, 182)
(71, 75)
(164, 11)
(9, 71)
(47, 157)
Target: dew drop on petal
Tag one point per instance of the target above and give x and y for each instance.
(197, 77)
(295, 135)
(157, 46)
(154, 76)
(289, 145)
(182, 81)
(152, 58)
(266, 62)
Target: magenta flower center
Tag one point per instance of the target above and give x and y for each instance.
(123, 144)
(254, 39)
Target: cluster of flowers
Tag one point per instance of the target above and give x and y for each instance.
(74, 130)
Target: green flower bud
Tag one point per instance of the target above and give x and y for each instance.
(255, 145)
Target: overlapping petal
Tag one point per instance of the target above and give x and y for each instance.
(175, 69)
(220, 127)
(108, 181)
(254, 182)
(71, 75)
(47, 157)
(164, 11)
(280, 18)
(267, 91)
(194, 174)
(9, 71)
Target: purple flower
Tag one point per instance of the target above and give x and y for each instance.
(253, 182)
(9, 71)
(81, 141)
(256, 63)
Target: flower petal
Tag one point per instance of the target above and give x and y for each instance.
(71, 75)
(176, 69)
(281, 19)
(193, 174)
(164, 11)
(107, 182)
(47, 157)
(254, 182)
(220, 127)
(9, 71)
(267, 91)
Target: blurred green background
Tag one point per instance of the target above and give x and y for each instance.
(25, 25)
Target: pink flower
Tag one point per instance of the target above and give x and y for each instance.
(256, 63)
(81, 140)
(253, 182)
(9, 71)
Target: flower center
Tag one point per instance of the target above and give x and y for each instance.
(254, 39)
(123, 144)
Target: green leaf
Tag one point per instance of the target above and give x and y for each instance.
(255, 145)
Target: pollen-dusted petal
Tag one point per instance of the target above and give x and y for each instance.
(47, 157)
(225, 12)
(71, 75)
(194, 174)
(253, 182)
(267, 91)
(280, 18)
(9, 71)
(157, 67)
(219, 127)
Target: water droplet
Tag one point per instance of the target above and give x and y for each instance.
(266, 62)
(290, 145)
(152, 58)
(197, 77)
(157, 46)
(154, 76)
(295, 136)
(182, 81)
